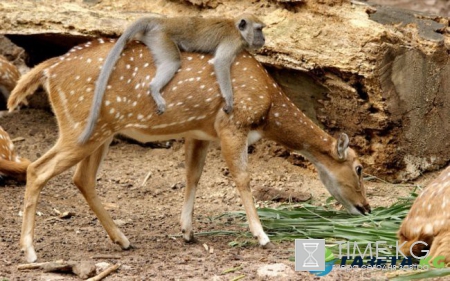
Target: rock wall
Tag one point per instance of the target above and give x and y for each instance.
(376, 73)
(436, 7)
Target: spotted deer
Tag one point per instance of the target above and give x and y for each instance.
(193, 112)
(427, 221)
(11, 164)
(9, 74)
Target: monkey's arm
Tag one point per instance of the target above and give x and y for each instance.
(223, 58)
(140, 26)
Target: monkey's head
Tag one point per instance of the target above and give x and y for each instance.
(250, 28)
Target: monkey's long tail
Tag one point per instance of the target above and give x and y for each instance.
(28, 83)
(141, 25)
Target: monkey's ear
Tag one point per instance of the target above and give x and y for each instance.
(242, 24)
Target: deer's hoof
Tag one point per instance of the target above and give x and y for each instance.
(189, 237)
(269, 245)
(30, 255)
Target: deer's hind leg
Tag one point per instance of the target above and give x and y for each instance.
(85, 179)
(195, 154)
(58, 159)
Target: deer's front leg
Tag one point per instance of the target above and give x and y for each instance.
(234, 150)
(195, 153)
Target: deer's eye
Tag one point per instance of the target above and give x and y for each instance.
(358, 170)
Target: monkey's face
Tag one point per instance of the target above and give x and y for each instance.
(250, 28)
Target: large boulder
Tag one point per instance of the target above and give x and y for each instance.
(377, 73)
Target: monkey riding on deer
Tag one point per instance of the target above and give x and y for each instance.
(194, 112)
(165, 37)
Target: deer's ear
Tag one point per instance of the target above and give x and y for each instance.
(342, 146)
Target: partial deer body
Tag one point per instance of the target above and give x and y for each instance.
(11, 164)
(193, 111)
(9, 74)
(428, 221)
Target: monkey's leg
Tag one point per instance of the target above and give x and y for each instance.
(223, 59)
(167, 58)
(195, 159)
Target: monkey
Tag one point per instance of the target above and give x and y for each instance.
(166, 37)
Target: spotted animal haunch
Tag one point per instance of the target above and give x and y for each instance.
(193, 112)
(11, 164)
(9, 74)
(427, 221)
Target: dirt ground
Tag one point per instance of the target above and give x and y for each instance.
(149, 214)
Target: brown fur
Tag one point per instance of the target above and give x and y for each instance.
(193, 112)
(9, 74)
(165, 37)
(11, 164)
(428, 219)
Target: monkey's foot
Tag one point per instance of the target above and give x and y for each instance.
(228, 109)
(161, 109)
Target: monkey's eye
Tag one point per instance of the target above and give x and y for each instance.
(358, 170)
(242, 24)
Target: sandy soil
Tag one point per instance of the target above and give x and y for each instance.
(149, 214)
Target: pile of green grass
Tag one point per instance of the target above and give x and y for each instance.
(289, 222)
(302, 221)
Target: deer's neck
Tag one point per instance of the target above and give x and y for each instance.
(289, 126)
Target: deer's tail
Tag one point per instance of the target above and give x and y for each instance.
(28, 83)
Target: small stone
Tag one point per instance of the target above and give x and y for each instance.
(84, 269)
(277, 270)
(101, 266)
